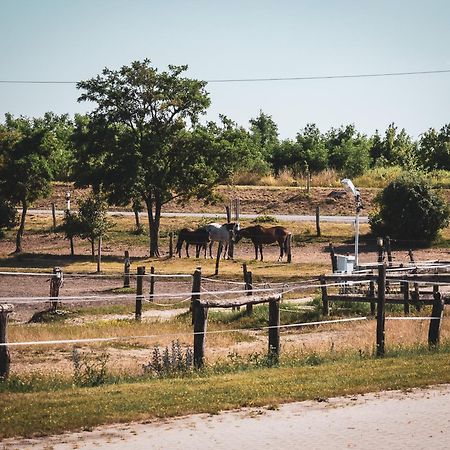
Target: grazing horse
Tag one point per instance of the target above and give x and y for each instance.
(261, 235)
(200, 238)
(222, 234)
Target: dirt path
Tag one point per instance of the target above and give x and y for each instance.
(417, 419)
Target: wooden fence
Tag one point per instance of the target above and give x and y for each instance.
(409, 293)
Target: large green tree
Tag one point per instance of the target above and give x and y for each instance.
(143, 139)
(434, 148)
(25, 172)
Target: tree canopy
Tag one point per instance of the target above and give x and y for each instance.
(143, 139)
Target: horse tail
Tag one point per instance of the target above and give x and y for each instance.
(285, 243)
(179, 244)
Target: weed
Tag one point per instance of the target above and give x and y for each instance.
(170, 362)
(89, 369)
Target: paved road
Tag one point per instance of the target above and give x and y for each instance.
(391, 420)
(280, 217)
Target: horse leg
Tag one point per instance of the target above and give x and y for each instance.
(280, 243)
(225, 251)
(260, 251)
(210, 249)
(256, 251)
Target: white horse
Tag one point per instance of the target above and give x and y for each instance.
(221, 233)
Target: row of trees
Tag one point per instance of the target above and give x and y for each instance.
(144, 144)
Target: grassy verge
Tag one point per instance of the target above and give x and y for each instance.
(73, 408)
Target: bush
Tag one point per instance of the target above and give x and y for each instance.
(8, 215)
(410, 210)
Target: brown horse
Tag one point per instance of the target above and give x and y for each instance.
(200, 238)
(261, 235)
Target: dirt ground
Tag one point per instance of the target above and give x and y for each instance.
(417, 419)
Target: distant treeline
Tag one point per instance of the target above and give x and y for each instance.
(343, 149)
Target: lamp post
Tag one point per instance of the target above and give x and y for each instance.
(350, 187)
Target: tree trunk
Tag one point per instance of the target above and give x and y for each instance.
(92, 241)
(154, 219)
(21, 228)
(136, 219)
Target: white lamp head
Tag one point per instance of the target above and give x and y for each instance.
(350, 187)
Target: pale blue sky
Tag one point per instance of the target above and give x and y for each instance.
(74, 40)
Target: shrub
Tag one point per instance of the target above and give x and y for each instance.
(410, 210)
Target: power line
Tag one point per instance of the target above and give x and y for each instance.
(252, 80)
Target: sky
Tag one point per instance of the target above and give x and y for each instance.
(64, 40)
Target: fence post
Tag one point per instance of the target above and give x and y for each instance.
(171, 244)
(388, 250)
(196, 286)
(333, 258)
(54, 216)
(249, 289)
(139, 292)
(372, 296)
(228, 211)
(126, 270)
(4, 351)
(274, 330)
(436, 319)
(200, 317)
(55, 283)
(405, 290)
(325, 303)
(318, 221)
(380, 309)
(152, 284)
(289, 247)
(380, 249)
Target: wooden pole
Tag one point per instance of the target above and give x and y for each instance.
(54, 215)
(5, 359)
(55, 283)
(227, 208)
(381, 309)
(325, 303)
(249, 289)
(171, 244)
(274, 330)
(405, 289)
(380, 250)
(196, 286)
(289, 248)
(318, 221)
(436, 320)
(126, 270)
(152, 284)
(333, 258)
(219, 254)
(372, 296)
(200, 322)
(139, 292)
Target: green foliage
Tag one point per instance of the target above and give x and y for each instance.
(25, 172)
(143, 140)
(89, 369)
(264, 218)
(410, 210)
(8, 215)
(434, 148)
(170, 362)
(92, 221)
